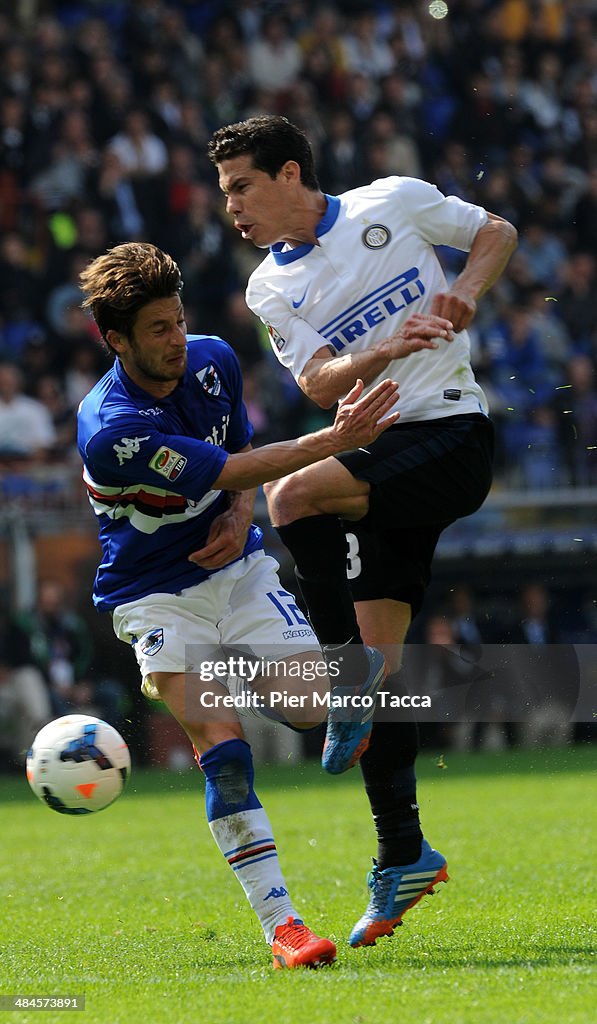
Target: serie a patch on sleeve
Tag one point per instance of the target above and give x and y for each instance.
(168, 463)
(275, 336)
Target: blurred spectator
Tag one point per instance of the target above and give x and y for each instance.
(543, 252)
(576, 408)
(538, 622)
(19, 285)
(24, 701)
(521, 373)
(398, 153)
(439, 668)
(585, 215)
(66, 295)
(113, 192)
(366, 53)
(275, 58)
(576, 298)
(240, 329)
(199, 242)
(72, 155)
(59, 639)
(463, 617)
(324, 56)
(140, 151)
(302, 109)
(50, 392)
(26, 428)
(341, 163)
(62, 650)
(540, 458)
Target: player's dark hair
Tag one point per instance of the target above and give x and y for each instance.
(123, 280)
(271, 141)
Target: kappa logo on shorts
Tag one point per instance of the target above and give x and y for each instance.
(168, 463)
(376, 237)
(152, 641)
(295, 634)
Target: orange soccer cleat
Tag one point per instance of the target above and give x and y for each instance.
(295, 945)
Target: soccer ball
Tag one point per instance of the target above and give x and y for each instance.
(78, 764)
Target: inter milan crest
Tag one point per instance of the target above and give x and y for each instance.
(376, 236)
(209, 380)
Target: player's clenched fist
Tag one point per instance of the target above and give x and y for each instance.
(458, 308)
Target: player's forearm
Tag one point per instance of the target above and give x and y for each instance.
(242, 504)
(249, 469)
(489, 254)
(325, 381)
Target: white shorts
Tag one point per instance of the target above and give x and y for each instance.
(242, 608)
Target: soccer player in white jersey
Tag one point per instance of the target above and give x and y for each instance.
(345, 291)
(171, 475)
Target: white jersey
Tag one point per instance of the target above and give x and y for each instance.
(375, 265)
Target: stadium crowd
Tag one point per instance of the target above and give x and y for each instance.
(106, 108)
(105, 111)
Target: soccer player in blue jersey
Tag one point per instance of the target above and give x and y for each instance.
(171, 475)
(347, 290)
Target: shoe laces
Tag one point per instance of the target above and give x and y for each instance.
(381, 886)
(293, 934)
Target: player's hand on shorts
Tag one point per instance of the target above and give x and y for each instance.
(455, 306)
(420, 331)
(225, 541)
(361, 418)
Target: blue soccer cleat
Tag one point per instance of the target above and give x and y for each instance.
(396, 890)
(349, 728)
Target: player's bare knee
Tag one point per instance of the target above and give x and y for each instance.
(291, 498)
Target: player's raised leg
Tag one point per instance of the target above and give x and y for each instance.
(306, 516)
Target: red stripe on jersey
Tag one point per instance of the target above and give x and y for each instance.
(140, 496)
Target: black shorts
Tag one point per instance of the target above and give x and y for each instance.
(423, 476)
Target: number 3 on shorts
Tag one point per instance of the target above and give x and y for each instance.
(353, 562)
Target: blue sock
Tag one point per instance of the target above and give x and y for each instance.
(243, 832)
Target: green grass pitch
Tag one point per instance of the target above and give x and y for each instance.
(135, 908)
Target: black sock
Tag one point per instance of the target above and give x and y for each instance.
(389, 775)
(318, 546)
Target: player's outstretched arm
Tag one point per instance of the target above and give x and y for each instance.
(325, 377)
(360, 419)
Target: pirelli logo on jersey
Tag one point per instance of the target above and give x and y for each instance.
(168, 463)
(380, 304)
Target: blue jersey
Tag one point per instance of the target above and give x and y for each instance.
(149, 466)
